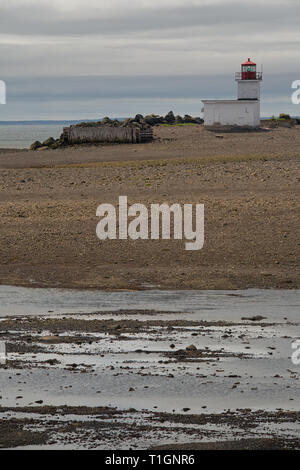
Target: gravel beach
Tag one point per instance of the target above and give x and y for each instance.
(248, 182)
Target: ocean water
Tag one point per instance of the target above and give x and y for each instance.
(208, 305)
(21, 136)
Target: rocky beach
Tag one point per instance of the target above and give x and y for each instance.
(248, 182)
(207, 365)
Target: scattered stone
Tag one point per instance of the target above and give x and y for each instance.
(255, 318)
(52, 362)
(35, 145)
(179, 120)
(48, 142)
(49, 339)
(44, 147)
(170, 118)
(191, 348)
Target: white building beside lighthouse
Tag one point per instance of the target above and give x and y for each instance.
(242, 113)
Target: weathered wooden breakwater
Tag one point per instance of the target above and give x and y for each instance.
(131, 130)
(92, 134)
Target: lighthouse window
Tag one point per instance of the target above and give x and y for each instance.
(249, 68)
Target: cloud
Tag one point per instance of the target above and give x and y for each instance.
(117, 50)
(145, 37)
(116, 18)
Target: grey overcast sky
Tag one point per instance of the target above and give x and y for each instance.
(73, 59)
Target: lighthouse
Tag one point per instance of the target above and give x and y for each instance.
(248, 81)
(243, 113)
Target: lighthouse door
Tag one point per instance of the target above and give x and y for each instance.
(244, 118)
(217, 116)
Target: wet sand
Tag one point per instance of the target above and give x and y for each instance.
(249, 183)
(140, 380)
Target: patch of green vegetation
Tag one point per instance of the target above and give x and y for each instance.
(282, 117)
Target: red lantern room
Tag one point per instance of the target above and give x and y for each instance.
(249, 70)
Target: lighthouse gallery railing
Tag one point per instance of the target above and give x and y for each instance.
(258, 75)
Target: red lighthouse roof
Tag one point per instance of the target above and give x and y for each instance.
(249, 62)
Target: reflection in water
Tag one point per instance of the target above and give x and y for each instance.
(273, 304)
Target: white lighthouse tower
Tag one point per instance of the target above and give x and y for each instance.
(243, 113)
(248, 81)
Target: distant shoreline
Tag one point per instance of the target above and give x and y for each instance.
(76, 121)
(51, 122)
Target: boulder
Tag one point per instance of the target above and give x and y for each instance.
(178, 120)
(136, 124)
(187, 118)
(255, 318)
(139, 117)
(105, 120)
(170, 118)
(284, 116)
(55, 145)
(49, 142)
(35, 145)
(152, 119)
(126, 122)
(192, 347)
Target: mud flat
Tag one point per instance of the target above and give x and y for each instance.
(153, 379)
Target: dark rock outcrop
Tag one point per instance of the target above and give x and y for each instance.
(35, 145)
(170, 118)
(49, 142)
(144, 123)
